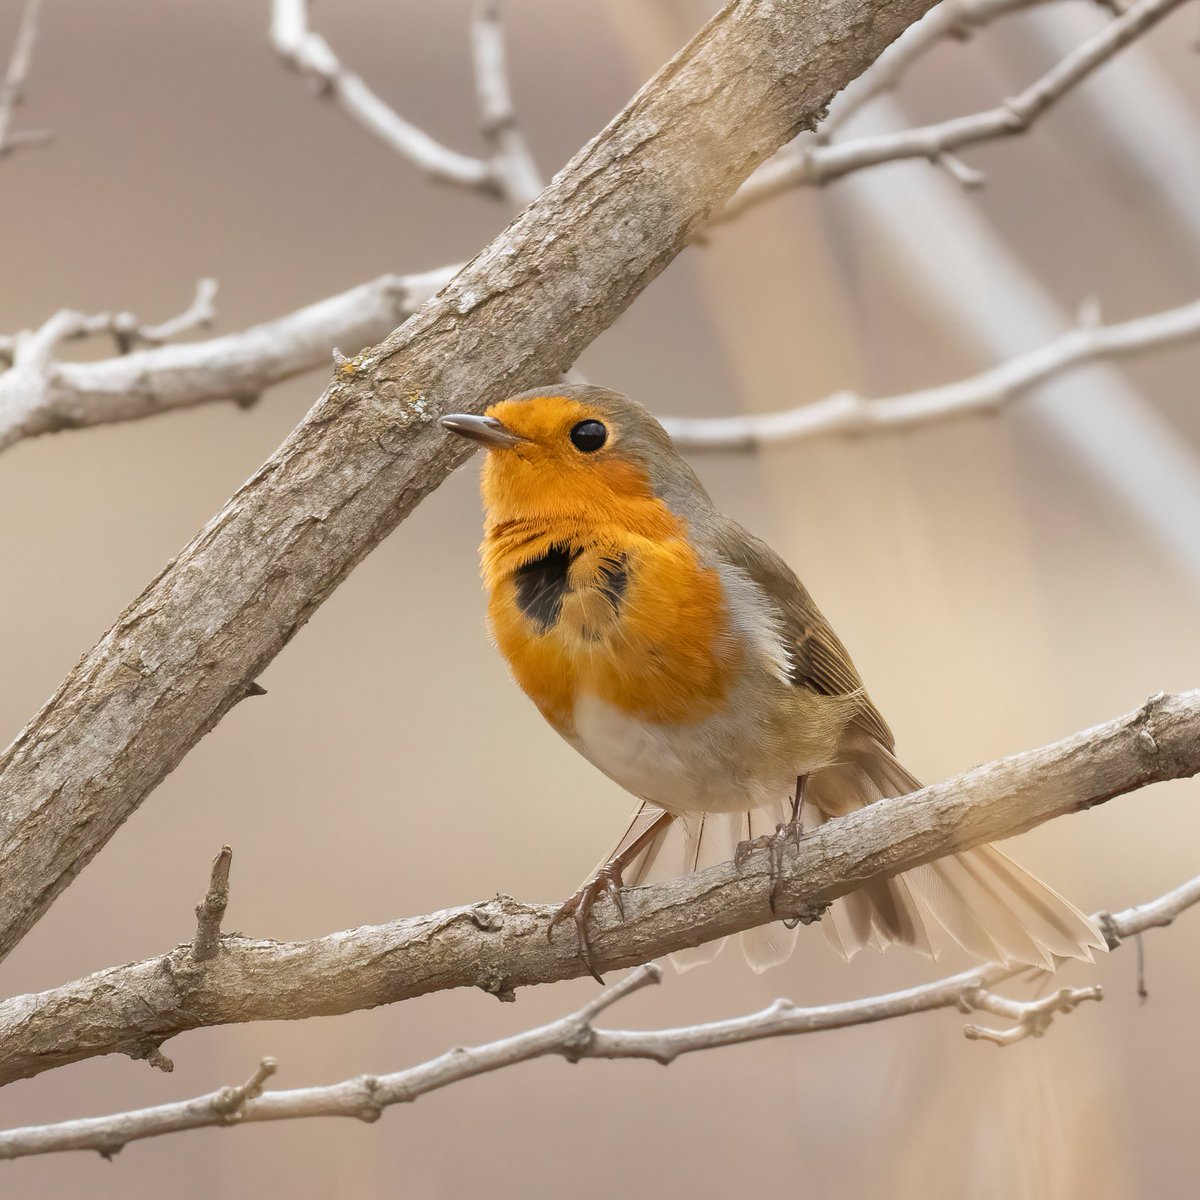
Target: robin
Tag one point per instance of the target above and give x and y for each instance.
(683, 658)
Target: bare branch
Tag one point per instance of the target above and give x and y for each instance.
(124, 328)
(210, 914)
(310, 54)
(42, 395)
(364, 1097)
(950, 19)
(1031, 1017)
(846, 413)
(512, 160)
(500, 945)
(576, 1038)
(820, 164)
(12, 90)
(371, 449)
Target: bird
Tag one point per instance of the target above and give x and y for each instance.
(682, 656)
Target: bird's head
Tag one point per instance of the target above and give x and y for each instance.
(575, 452)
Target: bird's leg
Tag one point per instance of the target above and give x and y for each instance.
(789, 831)
(606, 881)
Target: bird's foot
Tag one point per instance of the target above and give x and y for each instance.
(787, 833)
(608, 882)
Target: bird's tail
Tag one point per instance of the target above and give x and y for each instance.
(979, 899)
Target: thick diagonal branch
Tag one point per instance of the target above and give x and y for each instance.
(516, 316)
(501, 945)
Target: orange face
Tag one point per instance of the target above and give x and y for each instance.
(547, 476)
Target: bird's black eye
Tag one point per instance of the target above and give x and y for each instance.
(588, 436)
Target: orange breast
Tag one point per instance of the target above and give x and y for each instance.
(636, 620)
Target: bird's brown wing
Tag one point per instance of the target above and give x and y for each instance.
(819, 660)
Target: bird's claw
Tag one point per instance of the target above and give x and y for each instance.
(774, 843)
(607, 881)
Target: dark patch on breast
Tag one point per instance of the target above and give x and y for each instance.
(614, 579)
(542, 584)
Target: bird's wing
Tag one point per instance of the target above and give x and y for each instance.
(819, 660)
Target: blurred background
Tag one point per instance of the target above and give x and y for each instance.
(1000, 581)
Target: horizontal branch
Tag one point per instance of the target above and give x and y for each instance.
(576, 1037)
(516, 316)
(848, 413)
(40, 394)
(500, 945)
(816, 164)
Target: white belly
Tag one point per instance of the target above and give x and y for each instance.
(718, 765)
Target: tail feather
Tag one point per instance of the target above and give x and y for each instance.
(979, 899)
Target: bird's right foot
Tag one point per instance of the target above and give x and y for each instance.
(607, 882)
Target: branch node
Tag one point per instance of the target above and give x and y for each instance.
(575, 1045)
(372, 1107)
(230, 1102)
(150, 1052)
(1107, 925)
(486, 917)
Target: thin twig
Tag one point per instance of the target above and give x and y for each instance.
(123, 327)
(500, 945)
(512, 160)
(950, 19)
(819, 164)
(12, 89)
(1031, 1018)
(575, 1038)
(42, 395)
(210, 914)
(846, 413)
(310, 54)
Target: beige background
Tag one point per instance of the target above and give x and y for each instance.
(994, 598)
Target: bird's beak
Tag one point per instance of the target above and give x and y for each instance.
(487, 431)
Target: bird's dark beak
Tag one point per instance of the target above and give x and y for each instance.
(487, 431)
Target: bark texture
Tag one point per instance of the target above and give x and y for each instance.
(516, 316)
(500, 944)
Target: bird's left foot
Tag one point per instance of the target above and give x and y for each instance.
(607, 882)
(787, 833)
